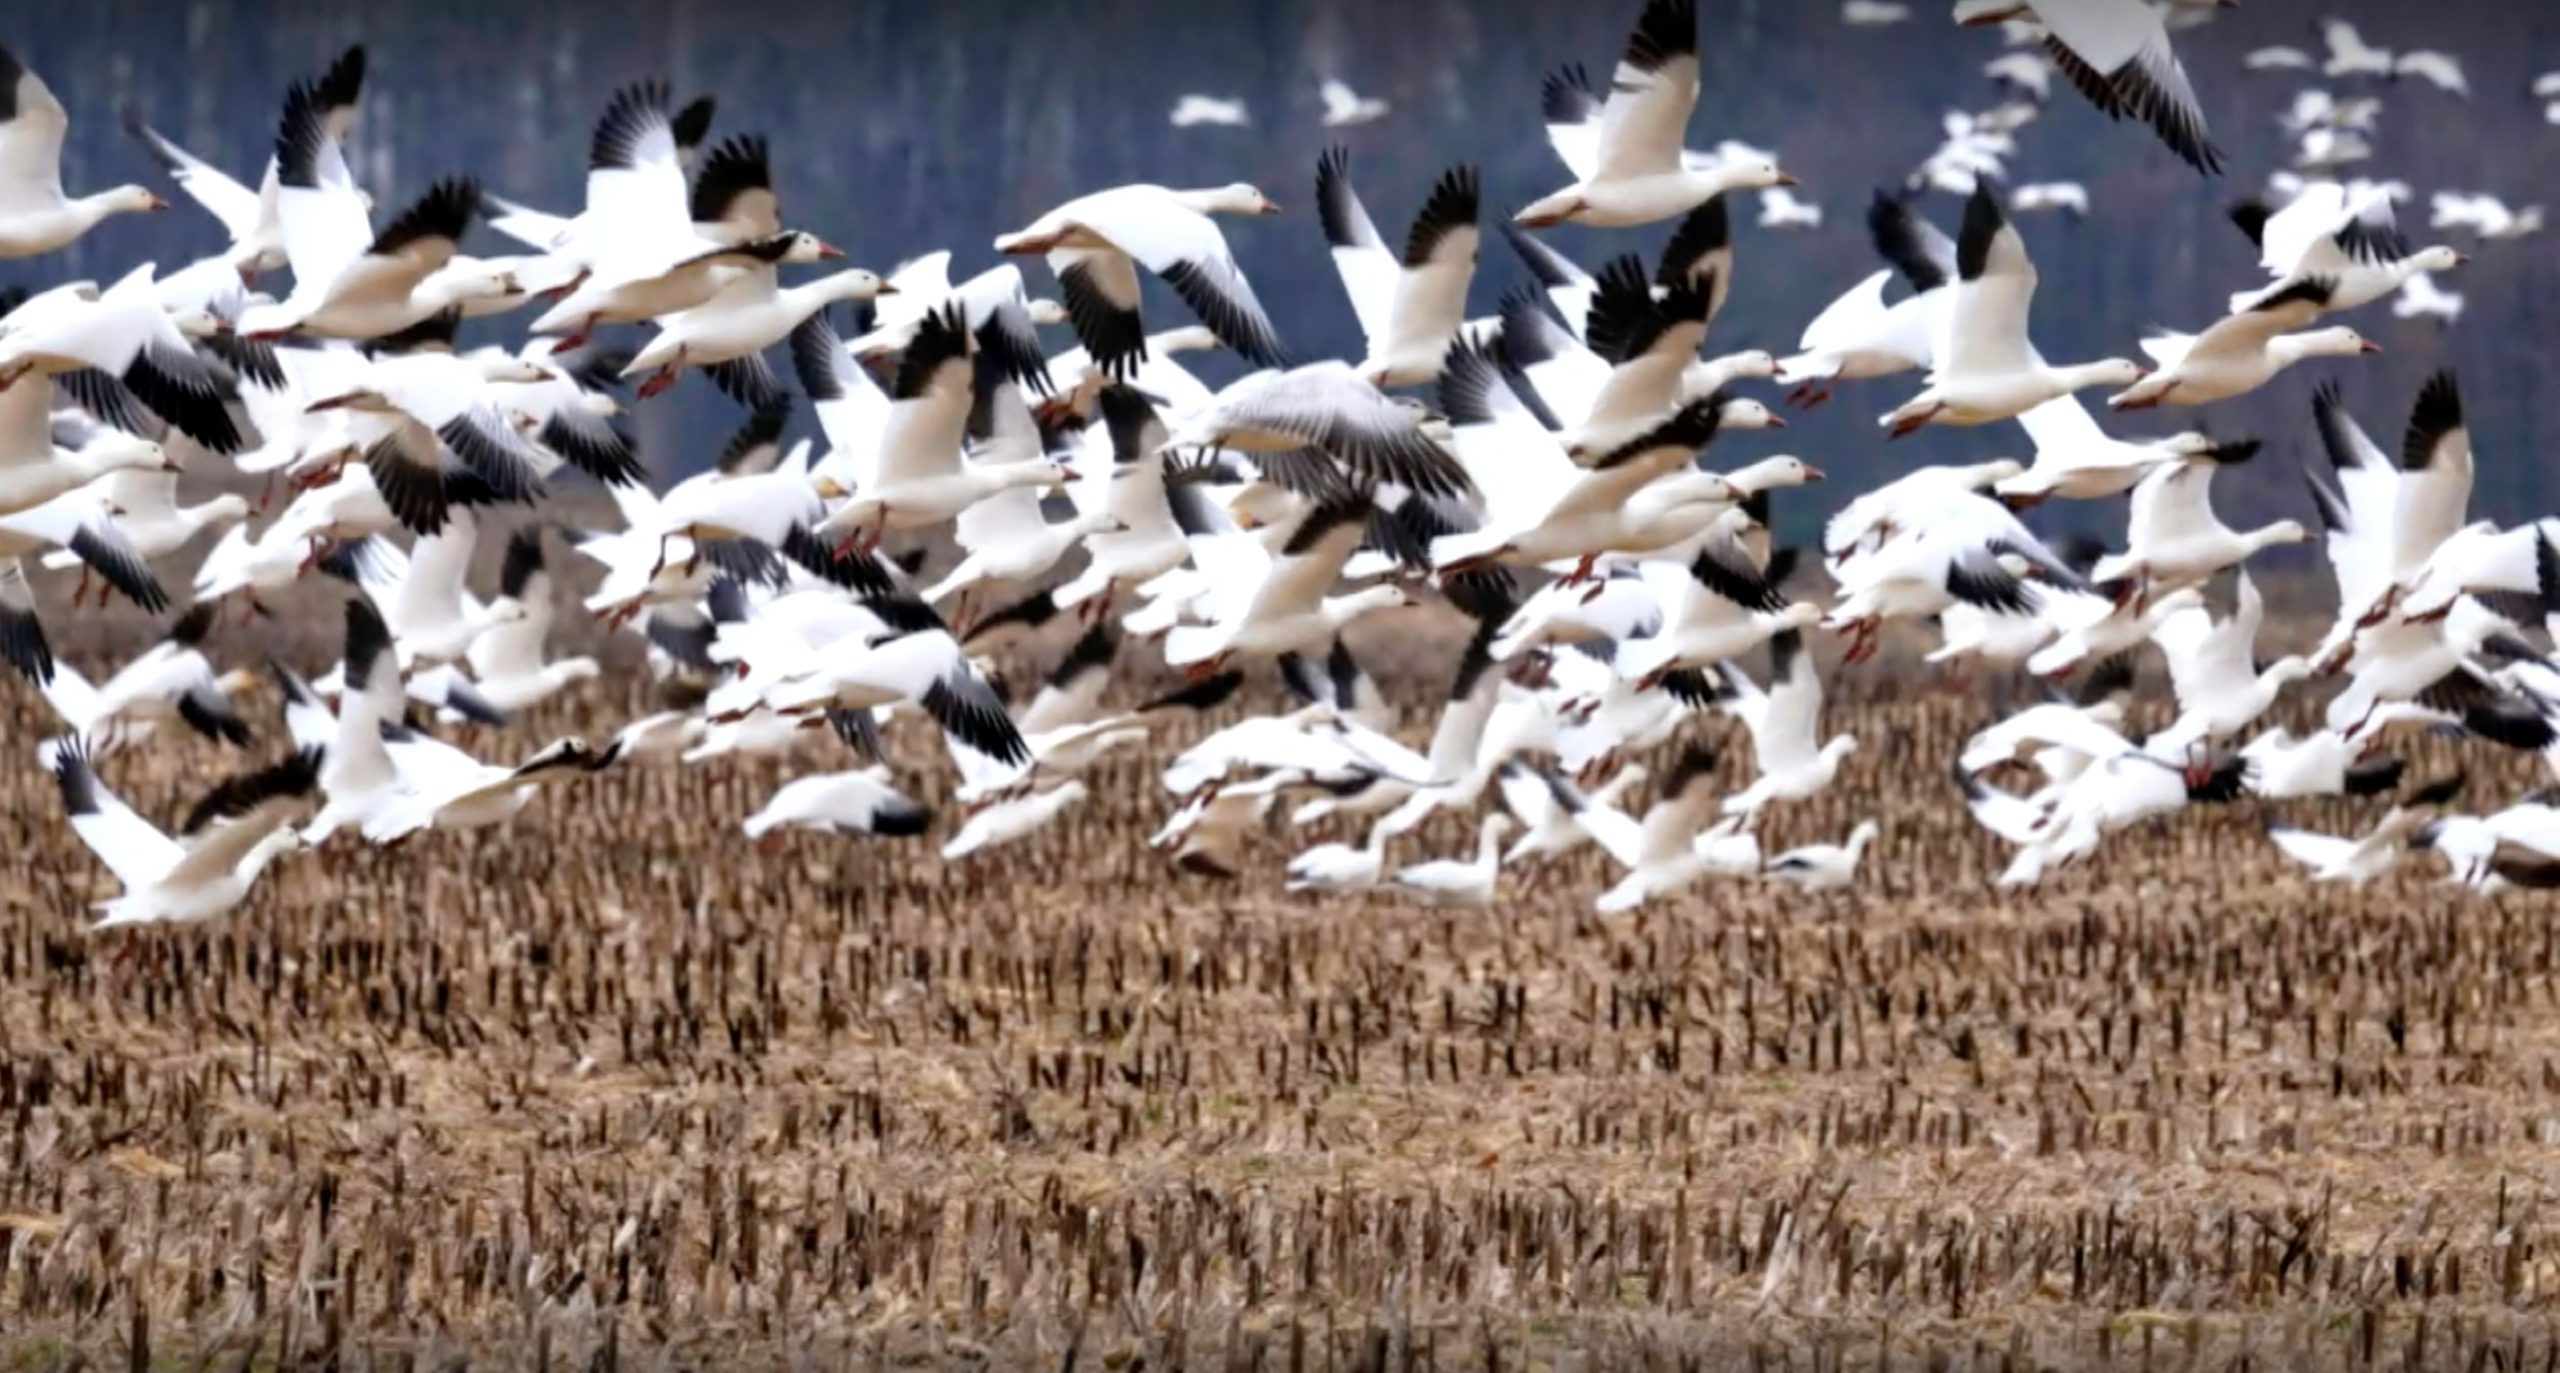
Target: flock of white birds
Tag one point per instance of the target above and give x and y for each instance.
(1544, 469)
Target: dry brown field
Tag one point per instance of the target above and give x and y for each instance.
(615, 1089)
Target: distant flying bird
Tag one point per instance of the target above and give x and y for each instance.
(2323, 149)
(2025, 72)
(2349, 54)
(2117, 53)
(2485, 215)
(2421, 298)
(2277, 59)
(2442, 68)
(2187, 14)
(1344, 107)
(2048, 196)
(1868, 14)
(2317, 109)
(2547, 86)
(1779, 209)
(1195, 109)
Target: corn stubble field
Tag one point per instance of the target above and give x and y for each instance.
(614, 1088)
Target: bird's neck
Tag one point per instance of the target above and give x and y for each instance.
(826, 290)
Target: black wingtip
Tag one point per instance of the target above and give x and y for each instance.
(2437, 414)
(1983, 222)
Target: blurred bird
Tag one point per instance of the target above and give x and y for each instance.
(1195, 110)
(1345, 107)
(1867, 14)
(1779, 209)
(2049, 196)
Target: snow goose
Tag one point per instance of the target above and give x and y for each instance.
(1724, 607)
(2329, 232)
(442, 787)
(635, 180)
(1456, 745)
(348, 281)
(664, 251)
(1206, 835)
(1096, 243)
(2421, 298)
(438, 404)
(1780, 209)
(2117, 53)
(123, 333)
(1964, 548)
(2441, 70)
(1140, 540)
(1339, 867)
(2062, 733)
(1599, 714)
(2093, 625)
(1374, 438)
(912, 659)
(2436, 477)
(1268, 602)
(1546, 803)
(1648, 344)
(1625, 151)
(506, 657)
(858, 802)
(567, 415)
(1409, 305)
(2115, 793)
(2213, 667)
(1195, 109)
(33, 472)
(1008, 537)
(171, 681)
(2277, 58)
(727, 334)
(2349, 54)
(1001, 312)
(2483, 560)
(35, 215)
(2176, 540)
(1312, 742)
(84, 529)
(1457, 882)
(2385, 522)
(2485, 215)
(1874, 518)
(1541, 508)
(1346, 108)
(22, 641)
(1618, 604)
(226, 842)
(1822, 867)
(248, 216)
(1014, 818)
(1673, 846)
(2323, 763)
(142, 506)
(1784, 721)
(2439, 664)
(2242, 352)
(2360, 860)
(2047, 197)
(1987, 371)
(922, 481)
(1858, 336)
(356, 773)
(2076, 460)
